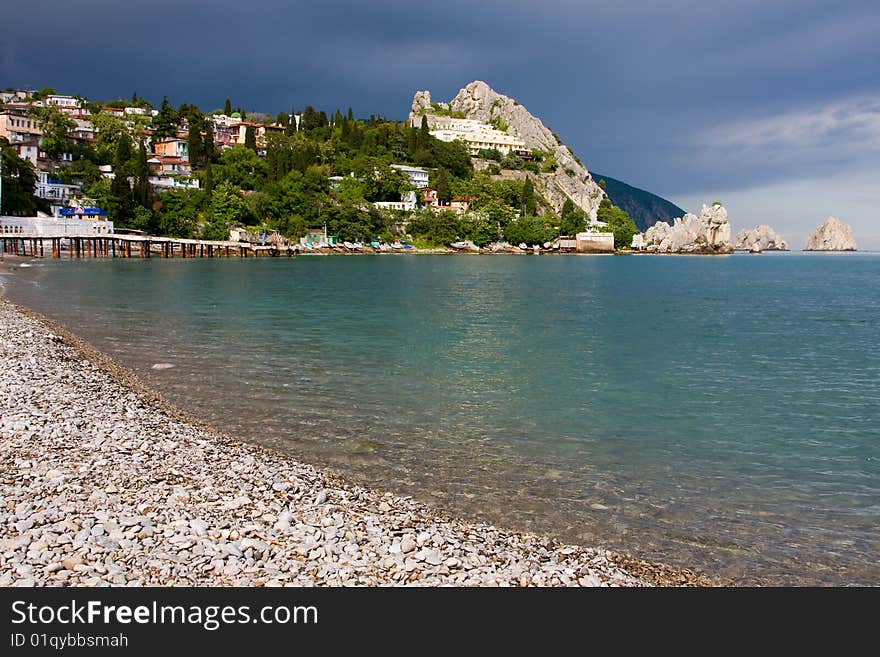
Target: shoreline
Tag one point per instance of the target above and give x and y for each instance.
(280, 522)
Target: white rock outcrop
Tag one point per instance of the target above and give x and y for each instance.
(760, 238)
(707, 233)
(832, 235)
(570, 180)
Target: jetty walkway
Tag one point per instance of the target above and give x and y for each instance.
(115, 245)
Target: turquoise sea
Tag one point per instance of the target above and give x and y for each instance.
(719, 413)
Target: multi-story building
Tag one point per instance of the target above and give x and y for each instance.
(164, 165)
(15, 124)
(174, 147)
(58, 194)
(64, 103)
(28, 150)
(418, 177)
(476, 134)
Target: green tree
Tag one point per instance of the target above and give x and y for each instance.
(441, 185)
(55, 126)
(227, 108)
(179, 211)
(250, 140)
(573, 220)
(142, 191)
(119, 202)
(165, 122)
(437, 228)
(110, 131)
(241, 167)
(497, 212)
(18, 182)
(528, 230)
(195, 123)
(208, 178)
(208, 142)
(227, 208)
(142, 219)
(528, 202)
(479, 229)
(618, 222)
(350, 224)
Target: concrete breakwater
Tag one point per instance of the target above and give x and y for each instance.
(104, 484)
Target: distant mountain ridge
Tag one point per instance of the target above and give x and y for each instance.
(643, 207)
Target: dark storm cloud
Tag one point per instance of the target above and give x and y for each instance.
(665, 94)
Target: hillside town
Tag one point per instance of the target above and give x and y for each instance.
(440, 179)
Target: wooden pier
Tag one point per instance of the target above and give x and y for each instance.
(134, 246)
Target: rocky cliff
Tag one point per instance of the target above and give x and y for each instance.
(832, 235)
(707, 233)
(570, 180)
(759, 238)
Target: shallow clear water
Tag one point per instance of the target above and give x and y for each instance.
(710, 412)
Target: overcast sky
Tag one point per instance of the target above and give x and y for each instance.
(771, 107)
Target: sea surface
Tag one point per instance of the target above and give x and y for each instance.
(717, 413)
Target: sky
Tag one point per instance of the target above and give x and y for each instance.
(771, 107)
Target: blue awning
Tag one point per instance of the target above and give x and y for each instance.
(83, 212)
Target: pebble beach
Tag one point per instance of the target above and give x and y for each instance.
(106, 484)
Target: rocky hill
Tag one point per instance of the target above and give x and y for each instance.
(643, 207)
(480, 102)
(759, 238)
(832, 235)
(708, 232)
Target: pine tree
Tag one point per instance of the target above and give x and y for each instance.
(120, 189)
(441, 184)
(227, 108)
(195, 143)
(208, 179)
(250, 139)
(208, 142)
(142, 190)
(122, 160)
(165, 122)
(528, 203)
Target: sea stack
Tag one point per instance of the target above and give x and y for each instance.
(759, 238)
(832, 235)
(707, 233)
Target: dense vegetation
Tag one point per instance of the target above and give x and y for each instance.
(320, 171)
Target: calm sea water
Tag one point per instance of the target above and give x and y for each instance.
(717, 413)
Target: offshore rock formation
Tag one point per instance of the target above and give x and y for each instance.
(832, 235)
(707, 233)
(480, 102)
(759, 238)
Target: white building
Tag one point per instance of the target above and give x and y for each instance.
(58, 194)
(407, 203)
(418, 177)
(64, 103)
(476, 134)
(54, 226)
(174, 182)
